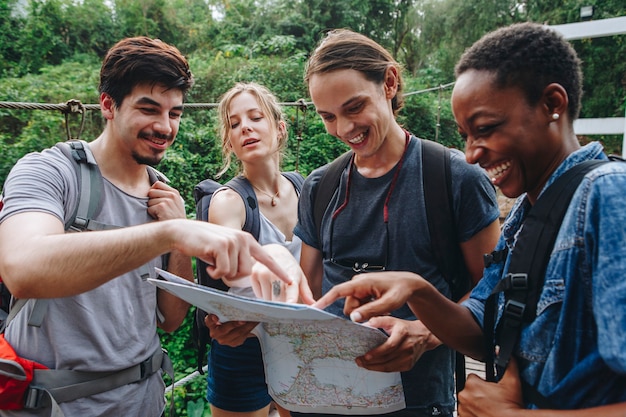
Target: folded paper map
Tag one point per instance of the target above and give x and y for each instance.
(308, 353)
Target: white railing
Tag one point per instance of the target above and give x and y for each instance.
(594, 29)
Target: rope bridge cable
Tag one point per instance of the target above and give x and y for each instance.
(439, 87)
(42, 106)
(75, 106)
(301, 104)
(17, 105)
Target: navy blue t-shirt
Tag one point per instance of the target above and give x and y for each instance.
(359, 235)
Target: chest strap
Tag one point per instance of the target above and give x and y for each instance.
(53, 386)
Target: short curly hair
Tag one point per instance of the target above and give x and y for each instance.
(529, 56)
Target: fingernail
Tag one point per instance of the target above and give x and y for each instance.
(356, 316)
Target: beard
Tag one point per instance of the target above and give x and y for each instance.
(157, 156)
(153, 160)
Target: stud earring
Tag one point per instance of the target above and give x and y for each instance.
(555, 116)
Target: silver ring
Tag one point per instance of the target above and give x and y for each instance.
(276, 288)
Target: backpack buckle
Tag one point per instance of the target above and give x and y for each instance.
(517, 282)
(514, 313)
(145, 368)
(150, 365)
(32, 397)
(80, 224)
(78, 151)
(495, 257)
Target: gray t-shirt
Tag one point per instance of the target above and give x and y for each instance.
(108, 328)
(357, 233)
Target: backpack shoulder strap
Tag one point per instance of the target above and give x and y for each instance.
(156, 175)
(296, 179)
(253, 218)
(89, 186)
(522, 284)
(202, 193)
(327, 186)
(437, 180)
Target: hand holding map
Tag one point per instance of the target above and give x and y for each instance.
(309, 354)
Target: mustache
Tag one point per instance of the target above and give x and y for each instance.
(156, 135)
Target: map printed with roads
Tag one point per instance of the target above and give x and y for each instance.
(308, 353)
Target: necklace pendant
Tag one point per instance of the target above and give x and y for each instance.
(273, 202)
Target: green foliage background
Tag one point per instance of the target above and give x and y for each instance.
(50, 52)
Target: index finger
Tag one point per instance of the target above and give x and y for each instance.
(262, 256)
(336, 292)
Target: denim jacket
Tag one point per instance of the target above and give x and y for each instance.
(574, 352)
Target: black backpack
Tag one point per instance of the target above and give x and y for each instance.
(525, 278)
(202, 194)
(437, 179)
(89, 204)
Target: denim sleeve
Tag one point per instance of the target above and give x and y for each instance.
(605, 243)
(491, 275)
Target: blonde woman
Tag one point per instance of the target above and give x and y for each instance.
(253, 130)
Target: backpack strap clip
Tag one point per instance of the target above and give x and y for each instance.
(78, 151)
(150, 365)
(512, 319)
(33, 397)
(514, 282)
(495, 257)
(514, 313)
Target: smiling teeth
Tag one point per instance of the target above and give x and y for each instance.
(497, 171)
(357, 139)
(158, 142)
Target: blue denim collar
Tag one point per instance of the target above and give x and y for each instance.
(512, 224)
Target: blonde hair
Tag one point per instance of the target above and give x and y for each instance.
(269, 106)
